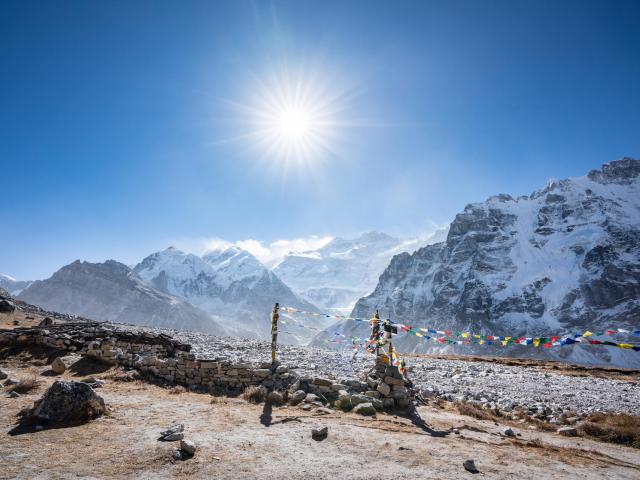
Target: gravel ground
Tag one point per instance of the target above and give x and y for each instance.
(489, 384)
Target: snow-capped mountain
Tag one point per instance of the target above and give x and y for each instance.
(564, 259)
(11, 285)
(112, 291)
(229, 283)
(337, 274)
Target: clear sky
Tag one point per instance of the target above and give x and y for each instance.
(127, 126)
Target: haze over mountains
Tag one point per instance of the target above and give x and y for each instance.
(225, 291)
(564, 259)
(336, 275)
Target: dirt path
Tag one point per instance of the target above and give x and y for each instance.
(240, 440)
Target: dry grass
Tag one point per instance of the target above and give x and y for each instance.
(177, 390)
(476, 411)
(621, 428)
(255, 394)
(275, 398)
(26, 383)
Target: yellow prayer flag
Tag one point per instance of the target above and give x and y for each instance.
(625, 345)
(536, 342)
(587, 334)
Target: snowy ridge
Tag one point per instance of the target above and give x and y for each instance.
(564, 257)
(229, 283)
(337, 274)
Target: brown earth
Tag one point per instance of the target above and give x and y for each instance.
(240, 440)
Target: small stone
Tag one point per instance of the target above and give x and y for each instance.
(568, 431)
(177, 428)
(177, 454)
(188, 446)
(58, 366)
(13, 394)
(384, 389)
(306, 407)
(508, 432)
(311, 397)
(470, 466)
(323, 411)
(173, 437)
(365, 409)
(10, 381)
(319, 433)
(3, 375)
(297, 397)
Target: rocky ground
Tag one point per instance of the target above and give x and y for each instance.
(240, 440)
(533, 385)
(236, 439)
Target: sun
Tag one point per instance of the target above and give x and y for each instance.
(292, 117)
(293, 124)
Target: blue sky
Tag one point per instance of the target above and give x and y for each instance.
(120, 131)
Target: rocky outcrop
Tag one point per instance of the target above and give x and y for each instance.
(565, 258)
(68, 403)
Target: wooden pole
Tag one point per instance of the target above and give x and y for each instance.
(275, 314)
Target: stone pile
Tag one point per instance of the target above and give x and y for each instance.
(388, 384)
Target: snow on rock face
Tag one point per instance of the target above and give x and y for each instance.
(564, 258)
(229, 283)
(337, 274)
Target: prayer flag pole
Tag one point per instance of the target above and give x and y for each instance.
(274, 331)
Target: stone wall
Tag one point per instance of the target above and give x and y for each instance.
(156, 354)
(170, 361)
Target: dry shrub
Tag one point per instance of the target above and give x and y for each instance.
(255, 394)
(620, 428)
(535, 443)
(476, 411)
(26, 383)
(177, 390)
(275, 398)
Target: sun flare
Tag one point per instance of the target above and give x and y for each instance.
(292, 118)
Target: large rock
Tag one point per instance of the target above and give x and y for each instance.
(365, 409)
(68, 402)
(6, 306)
(58, 366)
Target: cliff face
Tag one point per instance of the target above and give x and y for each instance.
(565, 258)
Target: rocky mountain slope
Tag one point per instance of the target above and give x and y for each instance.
(11, 285)
(337, 274)
(112, 291)
(229, 283)
(564, 259)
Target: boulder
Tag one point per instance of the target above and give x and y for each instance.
(365, 409)
(46, 322)
(68, 402)
(297, 397)
(58, 366)
(6, 306)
